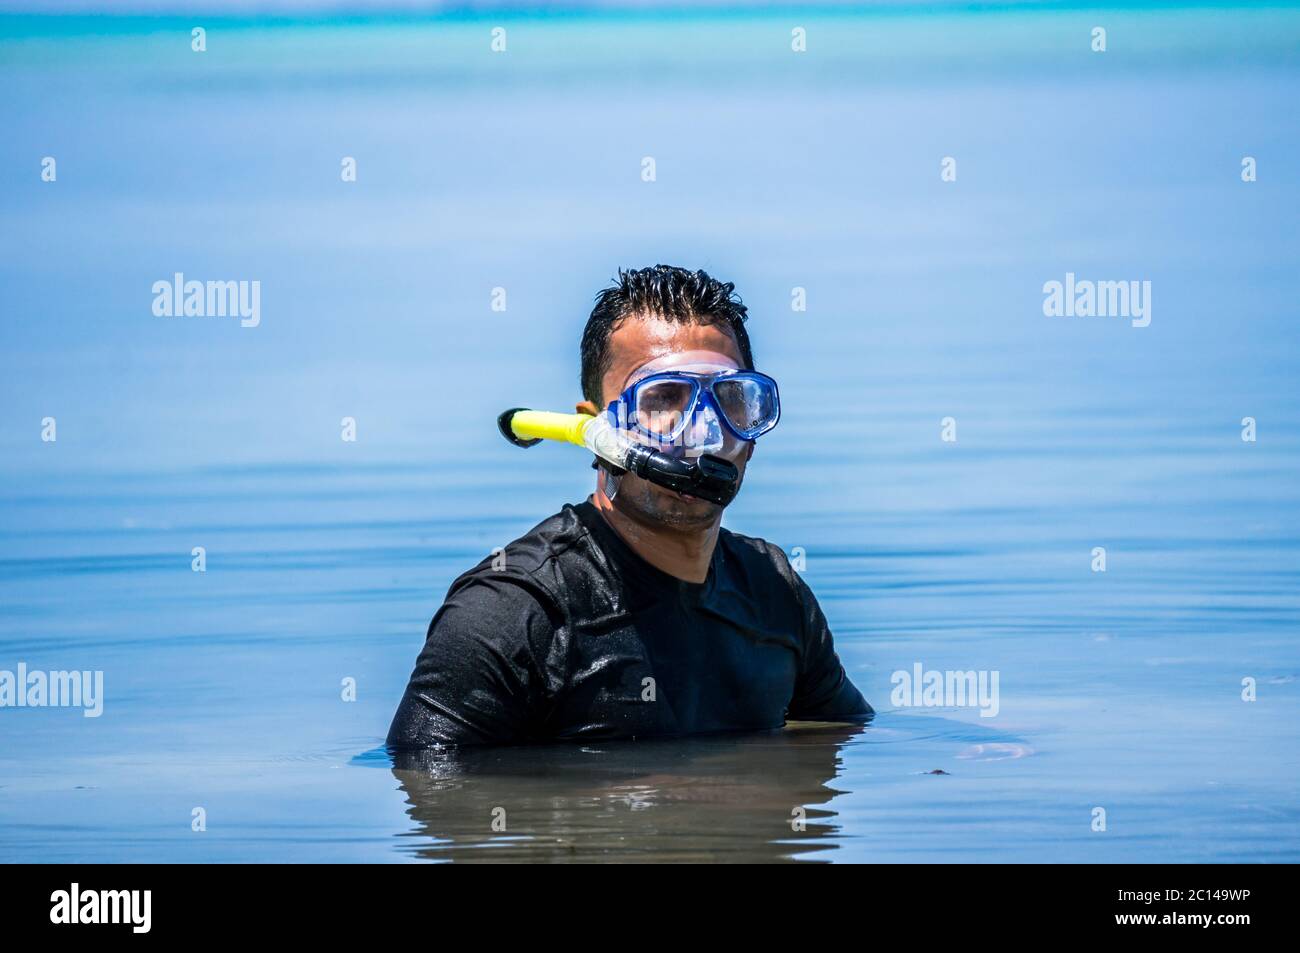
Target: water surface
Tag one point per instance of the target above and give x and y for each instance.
(326, 559)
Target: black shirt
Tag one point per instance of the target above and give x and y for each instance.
(569, 634)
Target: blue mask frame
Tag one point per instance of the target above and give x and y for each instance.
(621, 413)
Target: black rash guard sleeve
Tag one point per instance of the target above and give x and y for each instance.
(478, 679)
(823, 691)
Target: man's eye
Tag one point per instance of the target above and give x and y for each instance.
(659, 421)
(664, 396)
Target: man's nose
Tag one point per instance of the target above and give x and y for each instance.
(703, 432)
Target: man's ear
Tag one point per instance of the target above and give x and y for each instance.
(586, 407)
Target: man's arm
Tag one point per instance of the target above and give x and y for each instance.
(478, 679)
(823, 691)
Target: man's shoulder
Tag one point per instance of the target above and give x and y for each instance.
(760, 557)
(549, 539)
(528, 559)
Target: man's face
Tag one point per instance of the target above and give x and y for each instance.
(644, 345)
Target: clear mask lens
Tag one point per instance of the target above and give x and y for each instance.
(664, 409)
(661, 407)
(750, 407)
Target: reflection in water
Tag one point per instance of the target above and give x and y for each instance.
(715, 798)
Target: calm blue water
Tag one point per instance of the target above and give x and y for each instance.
(325, 559)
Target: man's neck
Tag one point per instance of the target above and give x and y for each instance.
(685, 554)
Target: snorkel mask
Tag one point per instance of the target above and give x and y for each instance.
(666, 427)
(684, 409)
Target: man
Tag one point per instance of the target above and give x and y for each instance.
(634, 613)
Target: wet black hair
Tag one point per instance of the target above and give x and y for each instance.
(688, 297)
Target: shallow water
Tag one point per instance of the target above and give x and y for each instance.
(325, 559)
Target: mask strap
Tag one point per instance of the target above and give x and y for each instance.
(611, 484)
(610, 476)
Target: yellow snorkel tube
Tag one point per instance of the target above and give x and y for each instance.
(707, 477)
(530, 426)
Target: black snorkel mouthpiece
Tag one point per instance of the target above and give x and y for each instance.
(707, 477)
